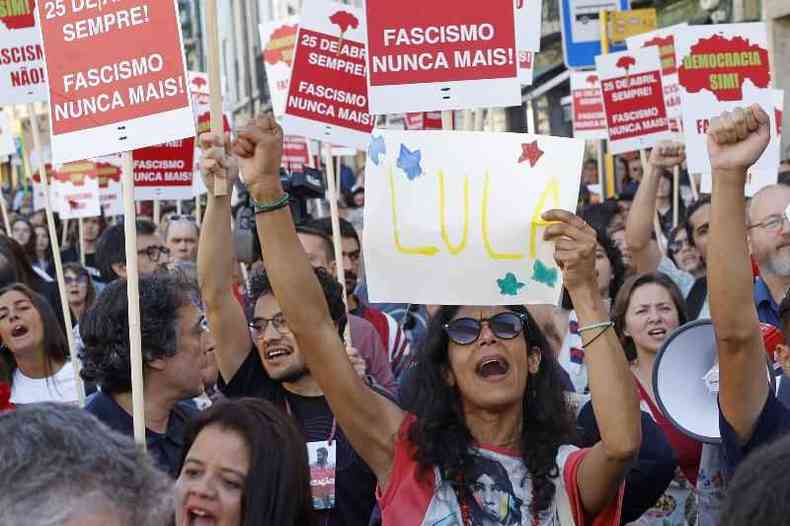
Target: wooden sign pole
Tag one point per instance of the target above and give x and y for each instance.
(53, 242)
(133, 295)
(215, 82)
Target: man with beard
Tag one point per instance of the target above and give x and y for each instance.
(262, 359)
(769, 242)
(391, 333)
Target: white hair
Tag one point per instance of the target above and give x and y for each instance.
(59, 464)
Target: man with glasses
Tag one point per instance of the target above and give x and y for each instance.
(262, 359)
(152, 254)
(769, 241)
(181, 237)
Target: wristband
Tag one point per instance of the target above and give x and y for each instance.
(594, 326)
(262, 208)
(603, 331)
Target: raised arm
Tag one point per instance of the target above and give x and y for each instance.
(639, 228)
(735, 142)
(215, 266)
(356, 407)
(614, 396)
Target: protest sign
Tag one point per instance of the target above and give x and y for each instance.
(664, 40)
(7, 145)
(328, 94)
(721, 67)
(589, 118)
(526, 67)
(278, 40)
(77, 186)
(756, 178)
(164, 171)
(110, 189)
(426, 56)
(424, 120)
(39, 194)
(116, 76)
(296, 153)
(626, 24)
(453, 217)
(22, 76)
(529, 15)
(633, 98)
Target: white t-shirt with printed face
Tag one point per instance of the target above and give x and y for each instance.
(60, 387)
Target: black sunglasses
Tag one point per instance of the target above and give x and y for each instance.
(505, 326)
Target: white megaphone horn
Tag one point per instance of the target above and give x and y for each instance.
(685, 378)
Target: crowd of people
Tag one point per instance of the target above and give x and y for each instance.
(259, 410)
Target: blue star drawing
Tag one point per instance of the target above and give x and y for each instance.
(377, 149)
(409, 162)
(543, 274)
(509, 285)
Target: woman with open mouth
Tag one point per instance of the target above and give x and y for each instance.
(648, 308)
(34, 352)
(487, 385)
(245, 465)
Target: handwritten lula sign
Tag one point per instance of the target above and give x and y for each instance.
(454, 217)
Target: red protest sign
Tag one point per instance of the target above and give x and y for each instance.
(589, 117)
(328, 95)
(22, 76)
(633, 97)
(426, 56)
(116, 76)
(425, 120)
(164, 171)
(296, 153)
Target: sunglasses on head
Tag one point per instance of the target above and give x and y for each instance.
(505, 326)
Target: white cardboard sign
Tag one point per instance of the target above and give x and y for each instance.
(278, 41)
(721, 67)
(664, 40)
(454, 217)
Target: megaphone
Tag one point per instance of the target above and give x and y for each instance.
(685, 380)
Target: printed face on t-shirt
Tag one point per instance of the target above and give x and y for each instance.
(275, 343)
(491, 371)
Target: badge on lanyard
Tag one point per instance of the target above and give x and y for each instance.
(322, 457)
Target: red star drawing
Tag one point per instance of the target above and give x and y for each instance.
(530, 152)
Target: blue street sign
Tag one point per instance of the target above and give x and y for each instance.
(581, 30)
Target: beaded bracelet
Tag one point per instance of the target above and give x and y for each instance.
(262, 208)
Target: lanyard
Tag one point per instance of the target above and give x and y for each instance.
(334, 422)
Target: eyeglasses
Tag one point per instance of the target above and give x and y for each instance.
(505, 326)
(76, 280)
(353, 256)
(679, 244)
(772, 223)
(154, 252)
(258, 325)
(174, 218)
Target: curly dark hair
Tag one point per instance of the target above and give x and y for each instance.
(333, 292)
(105, 330)
(615, 261)
(440, 435)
